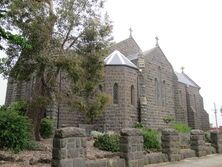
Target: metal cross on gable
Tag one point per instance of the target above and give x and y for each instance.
(182, 69)
(157, 41)
(131, 31)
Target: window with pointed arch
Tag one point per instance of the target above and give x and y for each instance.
(115, 93)
(132, 90)
(157, 92)
(195, 102)
(164, 93)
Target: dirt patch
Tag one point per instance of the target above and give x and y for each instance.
(42, 157)
(38, 158)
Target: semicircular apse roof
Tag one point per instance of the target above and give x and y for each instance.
(117, 58)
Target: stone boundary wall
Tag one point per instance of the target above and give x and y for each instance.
(131, 147)
(170, 144)
(69, 148)
(197, 142)
(216, 139)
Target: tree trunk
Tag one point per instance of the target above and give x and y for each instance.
(37, 109)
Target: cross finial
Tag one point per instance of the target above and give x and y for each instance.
(157, 41)
(182, 68)
(131, 31)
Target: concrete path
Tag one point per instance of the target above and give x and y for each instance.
(214, 160)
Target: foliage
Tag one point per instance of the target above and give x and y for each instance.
(151, 139)
(168, 119)
(67, 37)
(15, 131)
(95, 134)
(108, 142)
(7, 35)
(139, 125)
(32, 145)
(3, 108)
(92, 106)
(13, 38)
(207, 137)
(181, 127)
(46, 129)
(19, 106)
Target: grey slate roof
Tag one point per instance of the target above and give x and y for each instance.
(149, 51)
(128, 47)
(117, 58)
(183, 78)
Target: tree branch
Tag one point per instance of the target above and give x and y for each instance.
(75, 39)
(67, 35)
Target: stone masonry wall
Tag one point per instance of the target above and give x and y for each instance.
(194, 107)
(123, 114)
(170, 144)
(17, 90)
(198, 143)
(205, 124)
(216, 139)
(160, 83)
(181, 103)
(69, 148)
(131, 146)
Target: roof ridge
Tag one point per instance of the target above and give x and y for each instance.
(191, 79)
(117, 58)
(149, 50)
(129, 39)
(190, 82)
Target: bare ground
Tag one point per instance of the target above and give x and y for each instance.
(42, 157)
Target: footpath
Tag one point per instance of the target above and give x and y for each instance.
(213, 160)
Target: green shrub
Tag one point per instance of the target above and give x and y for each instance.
(151, 139)
(181, 128)
(107, 142)
(32, 145)
(139, 125)
(19, 106)
(15, 131)
(46, 128)
(3, 108)
(207, 137)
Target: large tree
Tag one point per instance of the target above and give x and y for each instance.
(8, 36)
(68, 37)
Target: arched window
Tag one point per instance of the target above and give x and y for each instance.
(164, 93)
(180, 97)
(132, 95)
(157, 91)
(18, 90)
(115, 93)
(195, 102)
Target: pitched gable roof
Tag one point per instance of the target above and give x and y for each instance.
(128, 47)
(154, 53)
(117, 58)
(183, 78)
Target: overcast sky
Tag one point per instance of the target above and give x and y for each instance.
(190, 35)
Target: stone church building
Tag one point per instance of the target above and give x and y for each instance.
(144, 88)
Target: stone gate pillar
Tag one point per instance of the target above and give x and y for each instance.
(69, 147)
(131, 147)
(170, 144)
(197, 142)
(216, 140)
